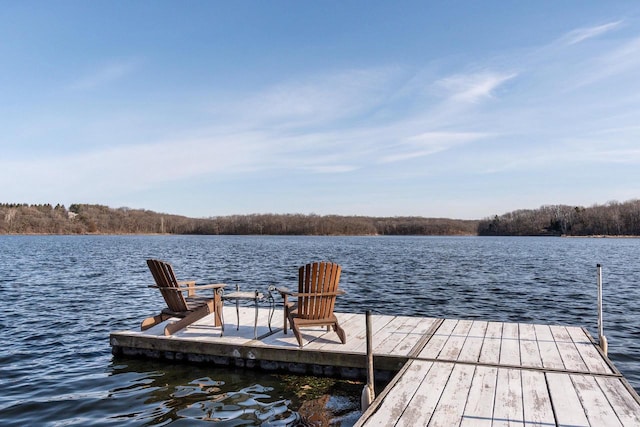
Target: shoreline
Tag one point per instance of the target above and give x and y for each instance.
(569, 236)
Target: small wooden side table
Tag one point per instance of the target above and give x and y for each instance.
(238, 295)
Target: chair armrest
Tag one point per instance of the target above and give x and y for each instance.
(211, 286)
(284, 290)
(192, 289)
(185, 289)
(315, 294)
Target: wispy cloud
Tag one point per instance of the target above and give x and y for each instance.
(471, 88)
(143, 167)
(429, 143)
(331, 169)
(104, 75)
(316, 99)
(581, 34)
(621, 59)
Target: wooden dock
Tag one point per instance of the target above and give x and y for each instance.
(443, 372)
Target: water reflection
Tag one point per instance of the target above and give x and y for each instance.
(199, 394)
(314, 412)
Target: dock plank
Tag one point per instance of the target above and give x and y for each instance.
(549, 352)
(508, 409)
(438, 340)
(597, 408)
(566, 403)
(454, 397)
(627, 409)
(569, 353)
(397, 330)
(510, 345)
(394, 404)
(421, 407)
(529, 350)
(453, 347)
(478, 411)
(490, 351)
(536, 401)
(473, 344)
(590, 355)
(358, 342)
(407, 345)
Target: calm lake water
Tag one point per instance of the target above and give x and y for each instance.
(63, 295)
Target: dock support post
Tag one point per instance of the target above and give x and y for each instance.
(602, 339)
(368, 392)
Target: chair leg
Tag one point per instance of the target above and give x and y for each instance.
(340, 332)
(286, 313)
(296, 331)
(217, 302)
(197, 314)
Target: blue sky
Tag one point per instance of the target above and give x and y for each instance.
(459, 109)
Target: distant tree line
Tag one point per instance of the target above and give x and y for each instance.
(78, 219)
(611, 219)
(99, 219)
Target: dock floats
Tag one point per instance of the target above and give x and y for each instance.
(442, 372)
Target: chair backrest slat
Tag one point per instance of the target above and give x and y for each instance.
(166, 280)
(319, 278)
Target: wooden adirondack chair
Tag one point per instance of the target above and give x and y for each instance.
(316, 297)
(190, 308)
